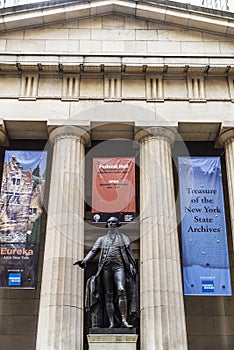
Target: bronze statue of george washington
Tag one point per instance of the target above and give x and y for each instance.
(115, 277)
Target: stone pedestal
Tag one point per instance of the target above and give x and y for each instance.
(112, 339)
(161, 300)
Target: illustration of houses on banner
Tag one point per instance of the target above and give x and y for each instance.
(21, 198)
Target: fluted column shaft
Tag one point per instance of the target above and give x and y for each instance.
(60, 325)
(161, 305)
(227, 140)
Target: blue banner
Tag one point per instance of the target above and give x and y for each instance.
(204, 239)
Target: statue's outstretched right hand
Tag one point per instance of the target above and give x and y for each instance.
(81, 263)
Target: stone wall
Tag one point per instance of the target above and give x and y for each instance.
(64, 71)
(115, 34)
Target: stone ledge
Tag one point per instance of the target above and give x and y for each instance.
(106, 64)
(112, 331)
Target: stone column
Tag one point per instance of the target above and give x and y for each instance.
(227, 140)
(161, 296)
(60, 324)
(4, 141)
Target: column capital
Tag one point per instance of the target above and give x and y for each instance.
(226, 136)
(66, 131)
(3, 134)
(155, 132)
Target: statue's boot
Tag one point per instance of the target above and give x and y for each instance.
(125, 324)
(123, 308)
(110, 313)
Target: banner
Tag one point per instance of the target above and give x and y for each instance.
(22, 191)
(204, 240)
(113, 189)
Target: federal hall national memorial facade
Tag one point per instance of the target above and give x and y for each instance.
(152, 80)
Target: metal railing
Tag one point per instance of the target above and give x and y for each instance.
(10, 3)
(225, 5)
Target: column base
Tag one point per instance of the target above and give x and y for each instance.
(104, 338)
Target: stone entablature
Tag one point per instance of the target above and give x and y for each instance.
(116, 64)
(116, 78)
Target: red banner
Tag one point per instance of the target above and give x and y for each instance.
(113, 188)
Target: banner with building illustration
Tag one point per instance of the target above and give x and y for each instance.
(113, 189)
(204, 238)
(21, 202)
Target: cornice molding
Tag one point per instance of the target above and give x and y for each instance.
(105, 64)
(188, 17)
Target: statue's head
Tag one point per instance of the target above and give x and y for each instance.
(112, 222)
